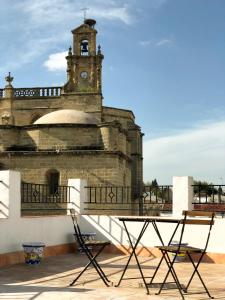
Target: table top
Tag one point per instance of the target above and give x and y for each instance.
(191, 221)
(149, 219)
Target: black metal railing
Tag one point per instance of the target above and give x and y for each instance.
(108, 195)
(157, 194)
(156, 199)
(37, 92)
(209, 194)
(44, 194)
(1, 93)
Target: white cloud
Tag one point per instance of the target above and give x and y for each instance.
(159, 43)
(56, 62)
(199, 152)
(164, 42)
(43, 12)
(145, 43)
(32, 48)
(43, 26)
(114, 13)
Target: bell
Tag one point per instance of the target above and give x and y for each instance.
(84, 47)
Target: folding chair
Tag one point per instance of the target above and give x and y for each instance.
(87, 248)
(186, 250)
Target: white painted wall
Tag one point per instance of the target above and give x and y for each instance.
(109, 227)
(182, 194)
(4, 194)
(78, 194)
(55, 230)
(15, 230)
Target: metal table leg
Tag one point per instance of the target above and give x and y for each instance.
(163, 256)
(146, 223)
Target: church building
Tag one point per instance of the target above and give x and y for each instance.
(51, 134)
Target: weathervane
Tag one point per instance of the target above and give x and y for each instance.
(85, 9)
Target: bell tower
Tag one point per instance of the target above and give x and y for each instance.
(84, 61)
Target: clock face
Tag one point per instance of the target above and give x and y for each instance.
(84, 75)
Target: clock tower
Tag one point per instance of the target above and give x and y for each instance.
(84, 61)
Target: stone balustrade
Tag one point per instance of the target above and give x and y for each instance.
(37, 92)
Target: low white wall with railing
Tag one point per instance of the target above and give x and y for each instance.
(109, 227)
(15, 230)
(57, 230)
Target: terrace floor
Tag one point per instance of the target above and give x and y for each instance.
(50, 280)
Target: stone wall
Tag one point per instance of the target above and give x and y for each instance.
(135, 136)
(117, 159)
(26, 110)
(66, 137)
(114, 137)
(123, 116)
(8, 136)
(97, 167)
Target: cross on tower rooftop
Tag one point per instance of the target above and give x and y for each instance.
(85, 9)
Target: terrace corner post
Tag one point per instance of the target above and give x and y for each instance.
(10, 191)
(77, 195)
(182, 194)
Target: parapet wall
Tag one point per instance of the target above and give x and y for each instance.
(14, 230)
(56, 232)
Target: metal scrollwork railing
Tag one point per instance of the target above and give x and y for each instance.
(156, 199)
(209, 194)
(44, 194)
(157, 194)
(108, 195)
(1, 93)
(37, 92)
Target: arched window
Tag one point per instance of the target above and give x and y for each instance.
(53, 181)
(84, 48)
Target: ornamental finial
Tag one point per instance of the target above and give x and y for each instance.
(99, 49)
(9, 79)
(70, 51)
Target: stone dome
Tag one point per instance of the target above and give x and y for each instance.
(67, 116)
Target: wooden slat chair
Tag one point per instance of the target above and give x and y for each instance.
(87, 248)
(181, 249)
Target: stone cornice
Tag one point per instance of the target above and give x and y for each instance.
(114, 124)
(119, 109)
(64, 152)
(38, 126)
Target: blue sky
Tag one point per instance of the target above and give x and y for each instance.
(164, 59)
